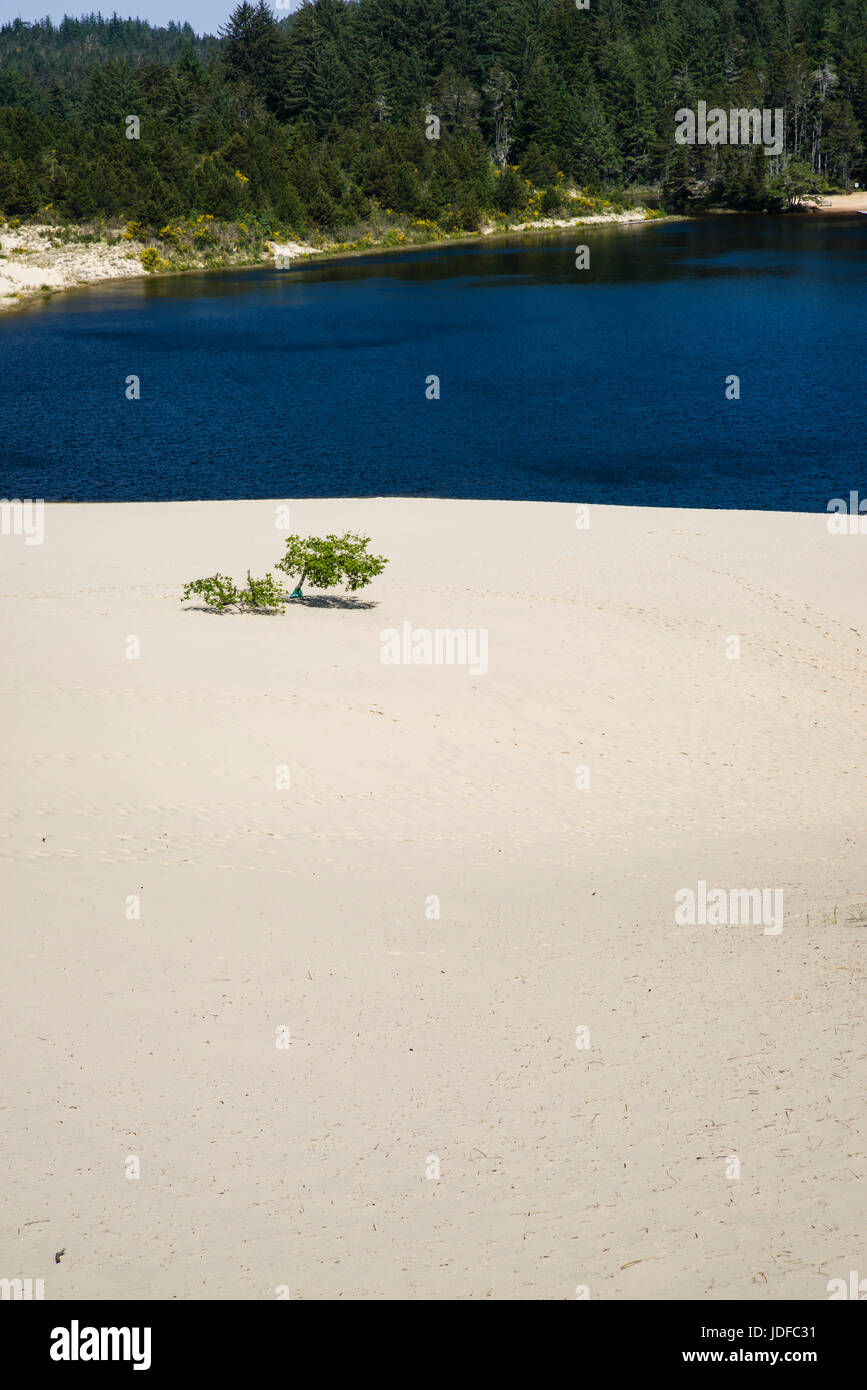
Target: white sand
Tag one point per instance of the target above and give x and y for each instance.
(31, 260)
(586, 220)
(845, 202)
(305, 907)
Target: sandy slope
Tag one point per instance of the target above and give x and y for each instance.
(30, 261)
(306, 907)
(845, 202)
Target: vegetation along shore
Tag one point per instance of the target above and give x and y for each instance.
(128, 149)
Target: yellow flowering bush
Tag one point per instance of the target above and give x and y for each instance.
(153, 261)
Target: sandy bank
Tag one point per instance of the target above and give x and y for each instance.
(844, 202)
(218, 827)
(540, 224)
(35, 259)
(32, 261)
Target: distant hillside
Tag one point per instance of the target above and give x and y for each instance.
(46, 57)
(316, 119)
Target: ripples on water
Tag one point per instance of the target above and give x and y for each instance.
(604, 385)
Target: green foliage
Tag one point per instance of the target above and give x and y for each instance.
(511, 192)
(217, 592)
(331, 561)
(796, 185)
(324, 562)
(262, 594)
(253, 53)
(220, 594)
(317, 119)
(152, 260)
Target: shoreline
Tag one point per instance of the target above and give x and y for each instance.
(82, 265)
(105, 263)
(368, 497)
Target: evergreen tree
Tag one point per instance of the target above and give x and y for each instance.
(313, 117)
(253, 52)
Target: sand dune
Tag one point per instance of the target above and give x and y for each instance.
(845, 202)
(419, 1040)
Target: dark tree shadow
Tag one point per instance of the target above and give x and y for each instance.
(319, 601)
(329, 601)
(235, 612)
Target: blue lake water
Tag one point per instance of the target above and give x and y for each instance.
(599, 385)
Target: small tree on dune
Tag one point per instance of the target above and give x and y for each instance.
(330, 561)
(219, 593)
(324, 562)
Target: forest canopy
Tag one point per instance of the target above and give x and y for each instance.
(312, 120)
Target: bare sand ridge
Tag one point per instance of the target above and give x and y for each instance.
(416, 1038)
(845, 202)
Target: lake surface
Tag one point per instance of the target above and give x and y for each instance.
(600, 385)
